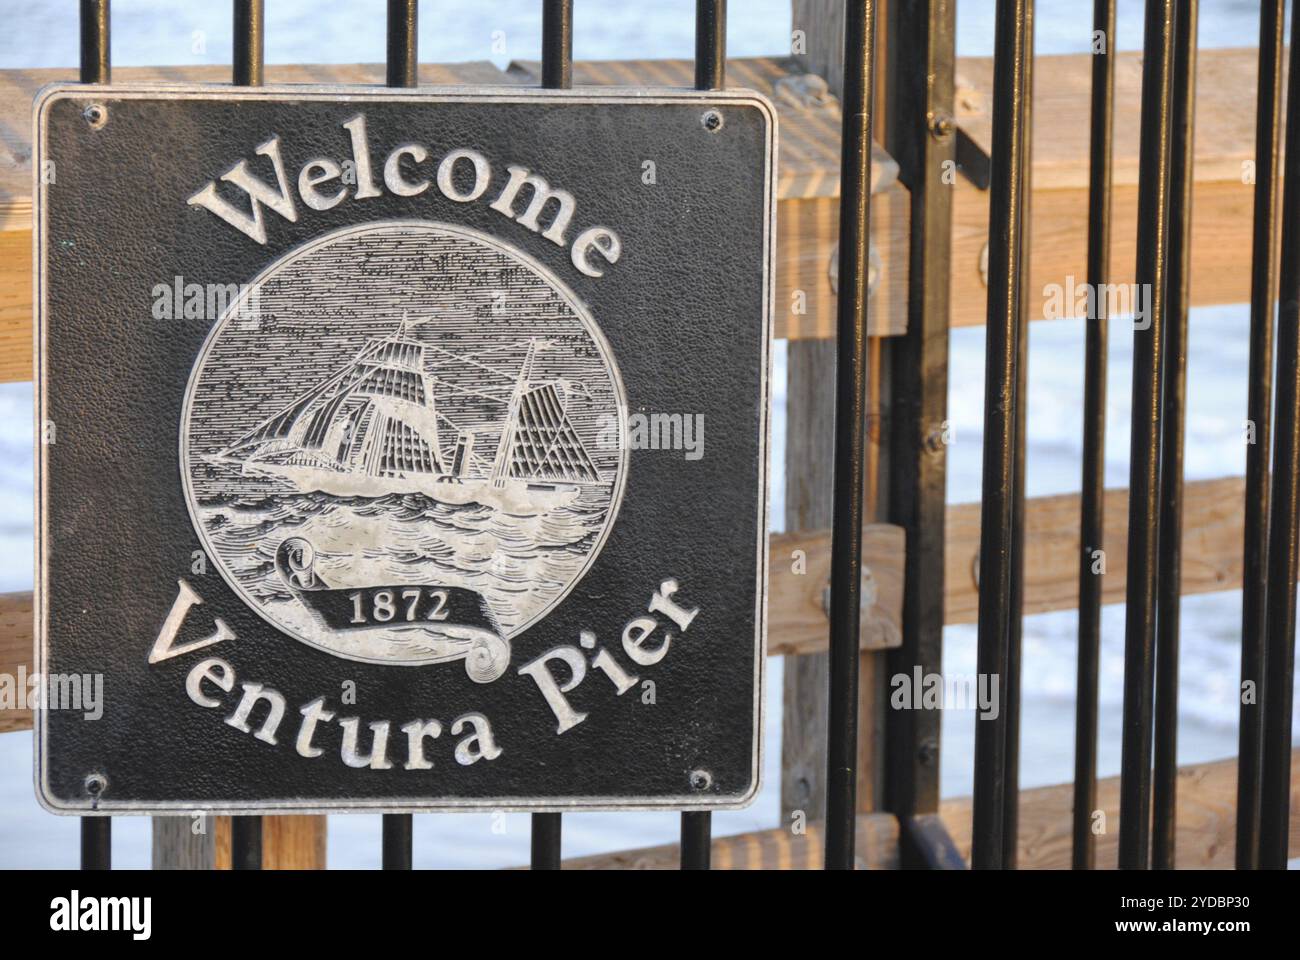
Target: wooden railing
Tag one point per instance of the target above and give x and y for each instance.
(807, 224)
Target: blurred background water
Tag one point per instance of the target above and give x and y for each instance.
(44, 34)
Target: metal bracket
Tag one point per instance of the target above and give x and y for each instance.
(875, 632)
(975, 165)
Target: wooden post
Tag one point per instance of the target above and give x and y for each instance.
(177, 845)
(818, 25)
(810, 410)
(288, 843)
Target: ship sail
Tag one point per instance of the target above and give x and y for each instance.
(281, 425)
(375, 416)
(543, 444)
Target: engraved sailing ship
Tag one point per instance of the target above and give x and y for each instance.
(373, 428)
(409, 449)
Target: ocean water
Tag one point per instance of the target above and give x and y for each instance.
(150, 31)
(519, 564)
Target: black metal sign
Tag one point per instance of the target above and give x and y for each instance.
(402, 449)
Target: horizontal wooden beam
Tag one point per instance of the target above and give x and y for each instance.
(1225, 130)
(807, 244)
(807, 216)
(1212, 545)
(799, 573)
(1223, 166)
(799, 565)
(1207, 819)
(1207, 794)
(806, 247)
(1220, 272)
(15, 654)
(807, 187)
(808, 166)
(797, 619)
(780, 849)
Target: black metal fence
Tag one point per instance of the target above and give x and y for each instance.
(1149, 748)
(918, 67)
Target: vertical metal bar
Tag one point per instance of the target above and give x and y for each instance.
(1016, 597)
(96, 843)
(398, 831)
(246, 832)
(397, 841)
(1263, 287)
(546, 841)
(850, 433)
(710, 44)
(403, 63)
(557, 44)
(710, 74)
(95, 61)
(697, 841)
(920, 55)
(1092, 511)
(246, 843)
(249, 42)
(557, 73)
(96, 832)
(1279, 650)
(1000, 400)
(1144, 466)
(1174, 403)
(403, 43)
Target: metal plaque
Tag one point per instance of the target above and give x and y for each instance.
(401, 450)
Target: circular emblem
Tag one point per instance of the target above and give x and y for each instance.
(403, 443)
